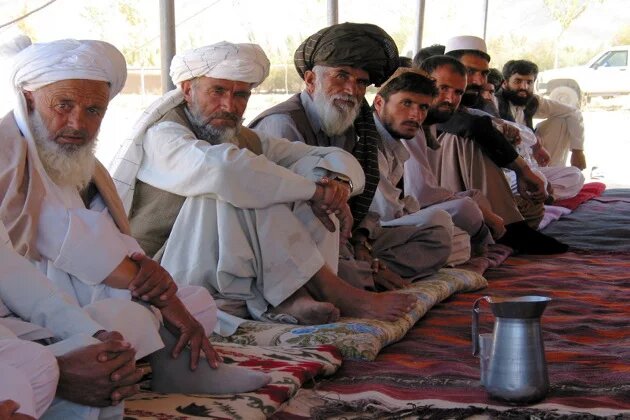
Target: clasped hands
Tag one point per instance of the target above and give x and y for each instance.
(331, 197)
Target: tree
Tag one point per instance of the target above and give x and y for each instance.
(565, 12)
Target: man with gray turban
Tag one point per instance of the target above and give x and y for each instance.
(62, 212)
(338, 63)
(255, 219)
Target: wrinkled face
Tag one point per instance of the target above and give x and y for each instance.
(70, 110)
(519, 88)
(451, 86)
(346, 85)
(478, 69)
(403, 113)
(216, 104)
(337, 94)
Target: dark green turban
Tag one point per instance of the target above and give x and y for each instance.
(360, 45)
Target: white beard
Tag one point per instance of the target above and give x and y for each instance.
(335, 119)
(67, 165)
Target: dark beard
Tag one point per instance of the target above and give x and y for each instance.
(472, 96)
(512, 96)
(435, 116)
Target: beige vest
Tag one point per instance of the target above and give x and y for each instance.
(153, 211)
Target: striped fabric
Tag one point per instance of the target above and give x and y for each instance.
(366, 152)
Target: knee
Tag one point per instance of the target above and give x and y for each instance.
(468, 216)
(138, 325)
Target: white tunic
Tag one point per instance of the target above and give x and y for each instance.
(245, 230)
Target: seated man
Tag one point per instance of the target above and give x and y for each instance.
(331, 111)
(63, 89)
(401, 106)
(459, 163)
(563, 127)
(250, 217)
(31, 309)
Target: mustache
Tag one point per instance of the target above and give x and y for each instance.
(223, 115)
(345, 97)
(411, 123)
(473, 88)
(70, 132)
(446, 104)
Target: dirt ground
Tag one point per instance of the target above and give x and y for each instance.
(606, 121)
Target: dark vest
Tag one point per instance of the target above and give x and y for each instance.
(504, 109)
(153, 211)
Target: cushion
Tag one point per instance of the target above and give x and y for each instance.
(360, 339)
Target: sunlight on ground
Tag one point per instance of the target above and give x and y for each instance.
(607, 145)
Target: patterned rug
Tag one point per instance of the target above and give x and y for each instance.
(356, 338)
(432, 373)
(601, 224)
(290, 368)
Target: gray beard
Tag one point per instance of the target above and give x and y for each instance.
(211, 134)
(67, 165)
(334, 120)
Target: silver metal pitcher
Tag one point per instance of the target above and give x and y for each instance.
(512, 358)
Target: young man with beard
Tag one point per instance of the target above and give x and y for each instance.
(460, 164)
(62, 213)
(401, 107)
(559, 182)
(563, 128)
(337, 64)
(255, 219)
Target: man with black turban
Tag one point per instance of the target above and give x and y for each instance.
(337, 64)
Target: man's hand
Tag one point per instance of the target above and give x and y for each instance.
(152, 282)
(578, 159)
(99, 375)
(541, 155)
(183, 325)
(530, 186)
(8, 411)
(331, 197)
(511, 134)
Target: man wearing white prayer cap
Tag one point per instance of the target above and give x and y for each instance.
(257, 220)
(62, 212)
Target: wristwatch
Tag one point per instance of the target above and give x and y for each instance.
(345, 180)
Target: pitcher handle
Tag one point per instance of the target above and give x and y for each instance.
(475, 323)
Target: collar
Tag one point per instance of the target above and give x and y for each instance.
(389, 142)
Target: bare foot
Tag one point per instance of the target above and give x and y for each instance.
(326, 286)
(307, 310)
(386, 306)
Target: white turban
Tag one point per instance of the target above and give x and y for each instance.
(224, 60)
(39, 65)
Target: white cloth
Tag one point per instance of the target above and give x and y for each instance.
(562, 130)
(223, 60)
(28, 375)
(41, 64)
(244, 230)
(566, 181)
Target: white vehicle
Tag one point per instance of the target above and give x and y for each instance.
(607, 74)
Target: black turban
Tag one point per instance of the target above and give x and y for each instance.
(360, 45)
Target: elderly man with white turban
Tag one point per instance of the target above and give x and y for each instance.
(62, 212)
(252, 218)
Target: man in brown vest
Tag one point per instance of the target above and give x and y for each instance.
(338, 63)
(257, 220)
